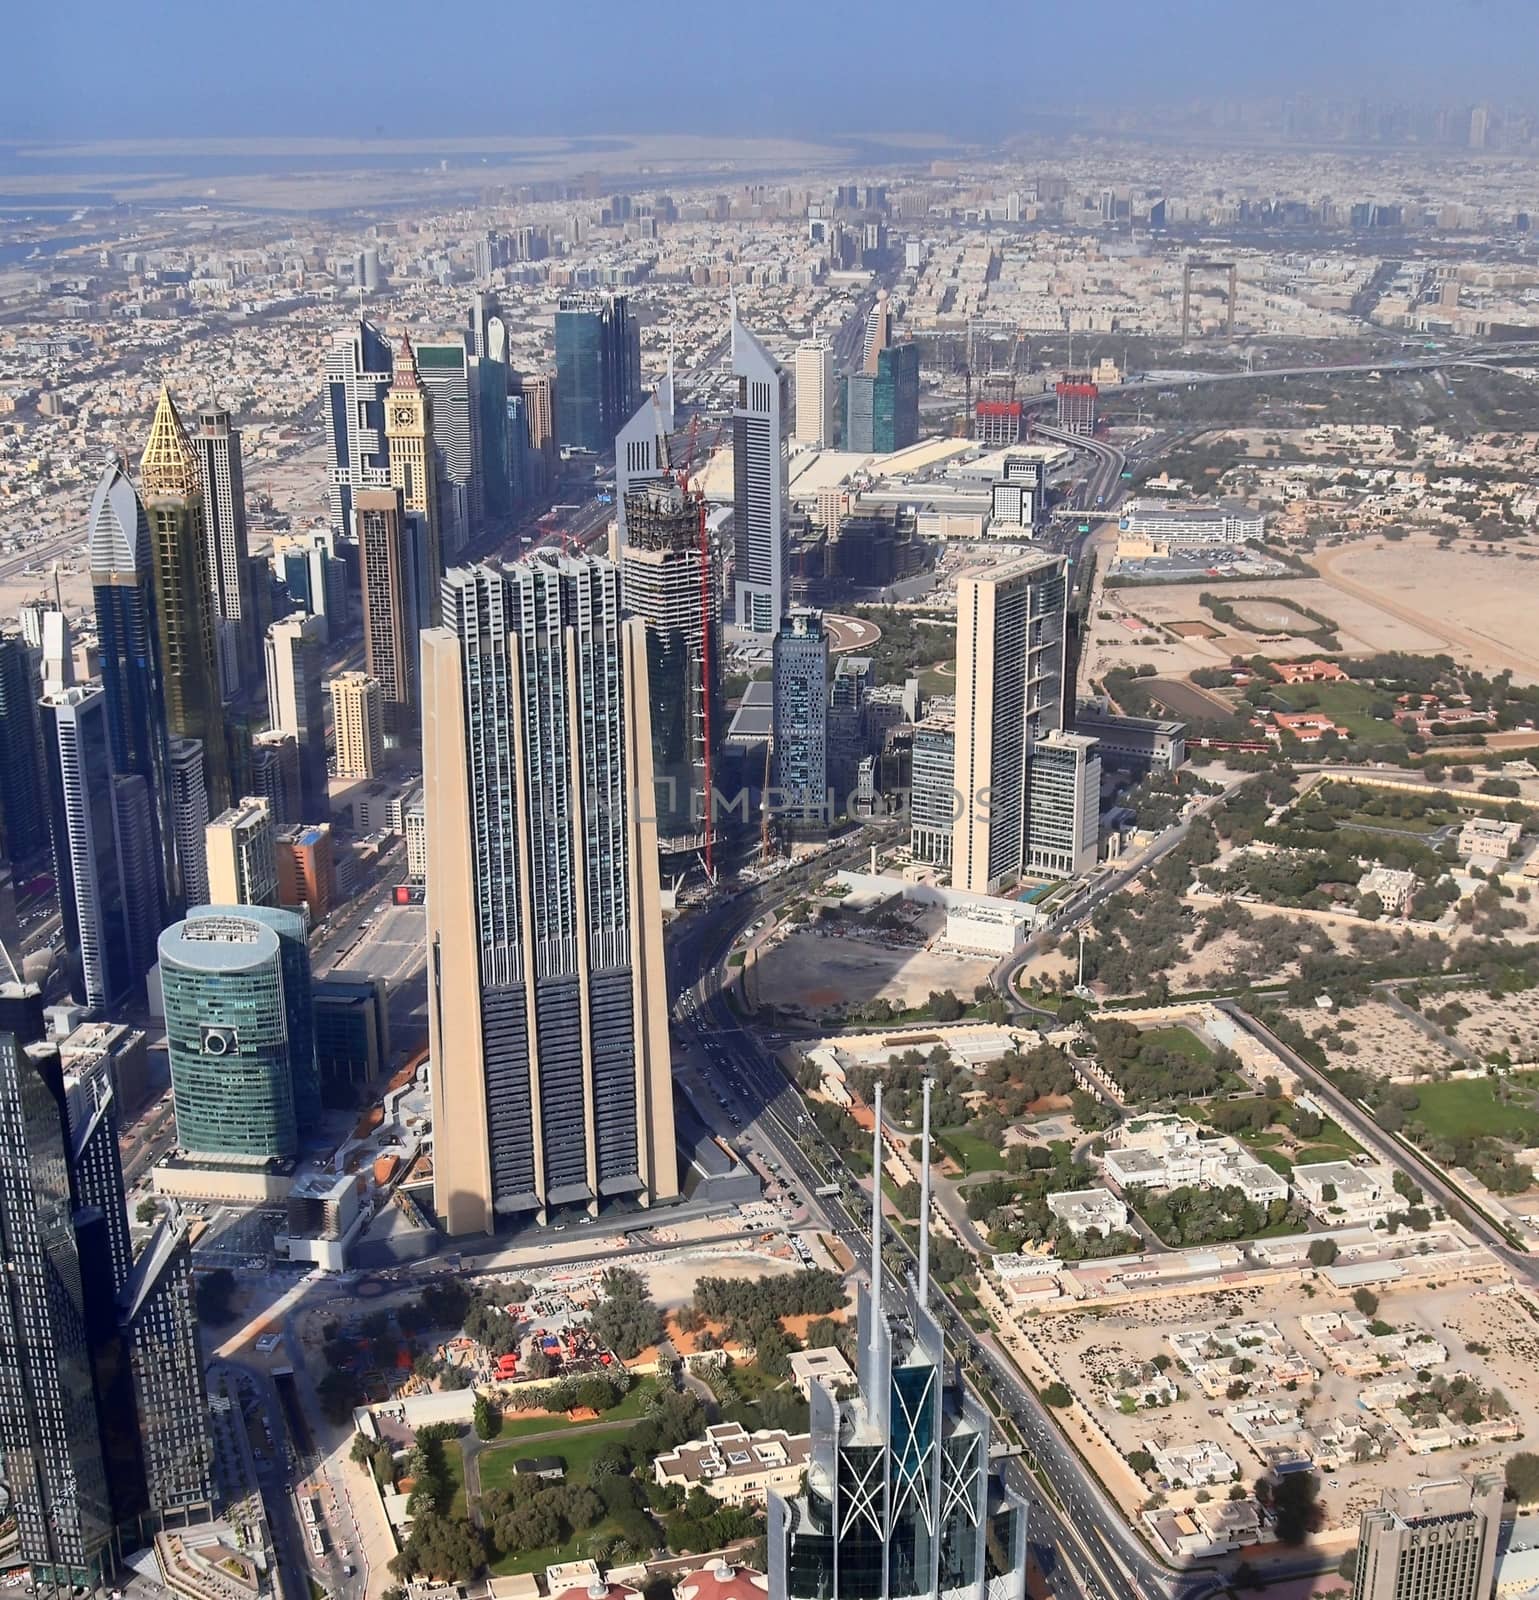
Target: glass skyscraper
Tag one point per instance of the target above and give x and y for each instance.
(899, 1501)
(358, 372)
(598, 369)
(227, 1035)
(22, 801)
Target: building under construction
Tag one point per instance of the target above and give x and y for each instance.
(997, 415)
(671, 579)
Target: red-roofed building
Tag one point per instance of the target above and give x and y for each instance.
(1308, 727)
(1310, 671)
(594, 1588)
(722, 1581)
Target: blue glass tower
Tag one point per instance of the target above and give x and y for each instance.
(123, 587)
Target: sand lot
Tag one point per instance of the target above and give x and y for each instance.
(1388, 1044)
(1086, 1347)
(1271, 616)
(818, 972)
(1511, 1023)
(1362, 626)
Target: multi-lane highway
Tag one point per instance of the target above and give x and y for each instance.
(1098, 1556)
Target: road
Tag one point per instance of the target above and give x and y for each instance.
(1102, 1559)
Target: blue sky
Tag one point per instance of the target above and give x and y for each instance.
(157, 68)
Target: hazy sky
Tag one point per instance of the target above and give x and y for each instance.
(99, 68)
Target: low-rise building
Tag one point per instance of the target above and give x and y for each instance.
(735, 1466)
(1490, 838)
(1168, 1152)
(1353, 1346)
(1394, 887)
(820, 1366)
(1080, 1210)
(1191, 521)
(1193, 1466)
(1341, 1193)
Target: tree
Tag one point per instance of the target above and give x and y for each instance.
(147, 1209)
(1057, 1395)
(486, 1418)
(626, 1320)
(1523, 1477)
(362, 1452)
(1366, 1301)
(1141, 1462)
(340, 1394)
(539, 1364)
(447, 1548)
(1322, 1252)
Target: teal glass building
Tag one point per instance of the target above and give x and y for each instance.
(227, 1035)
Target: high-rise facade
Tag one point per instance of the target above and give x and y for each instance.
(641, 457)
(860, 412)
(1010, 657)
(444, 370)
(490, 381)
(895, 398)
(51, 1456)
(388, 584)
(672, 582)
(760, 482)
(814, 370)
(92, 908)
(23, 808)
(296, 704)
(538, 389)
(547, 1000)
(229, 556)
(900, 1501)
(170, 483)
(158, 1329)
(139, 864)
(358, 724)
(413, 456)
(1431, 1541)
(933, 791)
(118, 548)
(1063, 811)
(358, 373)
(189, 818)
(274, 774)
(242, 865)
(800, 738)
(227, 1036)
(598, 369)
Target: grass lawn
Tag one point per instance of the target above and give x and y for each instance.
(577, 1449)
(1276, 1160)
(1467, 1107)
(1178, 1041)
(539, 1560)
(454, 1460)
(971, 1153)
(1350, 705)
(631, 1407)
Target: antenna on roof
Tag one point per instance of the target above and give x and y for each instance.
(924, 1199)
(876, 1222)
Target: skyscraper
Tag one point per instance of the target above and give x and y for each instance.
(296, 704)
(51, 1455)
(388, 583)
(598, 369)
(22, 795)
(860, 412)
(445, 373)
(641, 456)
(800, 740)
(760, 481)
(490, 376)
(895, 398)
(274, 774)
(227, 1037)
(357, 378)
(413, 458)
(158, 1326)
(815, 393)
(189, 818)
(540, 418)
(1063, 811)
(878, 333)
(78, 756)
(671, 580)
(900, 1500)
(1010, 647)
(242, 866)
(548, 1008)
(128, 635)
(229, 558)
(1431, 1541)
(358, 724)
(139, 863)
(171, 485)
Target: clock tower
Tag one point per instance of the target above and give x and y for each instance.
(409, 438)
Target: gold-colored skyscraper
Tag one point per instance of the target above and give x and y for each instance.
(171, 488)
(547, 1003)
(409, 440)
(389, 616)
